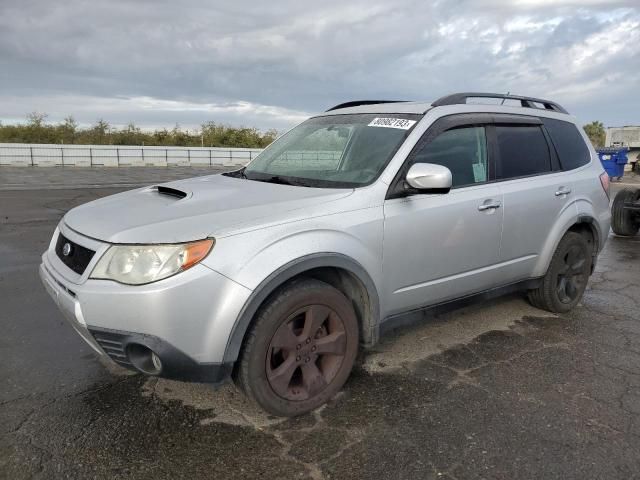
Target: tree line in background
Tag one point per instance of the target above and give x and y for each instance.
(38, 130)
(596, 133)
(211, 134)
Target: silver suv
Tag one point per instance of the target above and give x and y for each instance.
(274, 275)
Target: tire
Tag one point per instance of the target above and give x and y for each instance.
(567, 276)
(300, 350)
(623, 221)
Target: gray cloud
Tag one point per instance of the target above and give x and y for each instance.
(268, 64)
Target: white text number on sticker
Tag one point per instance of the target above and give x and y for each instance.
(400, 123)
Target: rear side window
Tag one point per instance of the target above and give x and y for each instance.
(523, 151)
(569, 143)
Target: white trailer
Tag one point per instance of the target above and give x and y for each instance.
(628, 136)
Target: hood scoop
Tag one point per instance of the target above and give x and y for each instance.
(171, 192)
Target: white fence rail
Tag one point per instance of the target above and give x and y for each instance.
(47, 155)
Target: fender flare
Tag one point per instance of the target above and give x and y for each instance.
(595, 229)
(584, 219)
(288, 271)
(597, 237)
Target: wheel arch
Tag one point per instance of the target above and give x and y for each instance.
(338, 270)
(588, 224)
(585, 225)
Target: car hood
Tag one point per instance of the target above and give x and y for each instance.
(192, 209)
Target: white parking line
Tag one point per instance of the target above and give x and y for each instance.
(18, 186)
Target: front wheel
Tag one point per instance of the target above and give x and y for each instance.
(567, 276)
(300, 350)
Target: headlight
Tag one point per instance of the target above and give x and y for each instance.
(139, 264)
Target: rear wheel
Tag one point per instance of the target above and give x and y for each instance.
(623, 220)
(567, 276)
(300, 349)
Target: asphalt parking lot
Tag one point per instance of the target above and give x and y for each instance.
(496, 390)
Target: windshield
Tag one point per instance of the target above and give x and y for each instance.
(339, 151)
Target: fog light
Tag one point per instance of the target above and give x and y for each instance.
(144, 359)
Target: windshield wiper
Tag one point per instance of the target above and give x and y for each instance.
(277, 179)
(236, 174)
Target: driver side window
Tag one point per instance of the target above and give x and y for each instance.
(462, 150)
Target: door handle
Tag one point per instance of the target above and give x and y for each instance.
(488, 206)
(563, 191)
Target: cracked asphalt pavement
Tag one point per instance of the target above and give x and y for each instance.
(495, 390)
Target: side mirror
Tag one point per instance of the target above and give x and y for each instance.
(429, 178)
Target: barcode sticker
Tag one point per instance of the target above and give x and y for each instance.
(401, 123)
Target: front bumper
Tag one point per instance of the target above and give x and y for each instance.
(185, 319)
(175, 364)
(68, 305)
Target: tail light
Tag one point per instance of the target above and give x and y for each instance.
(604, 181)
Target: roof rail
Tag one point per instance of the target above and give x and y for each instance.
(356, 103)
(526, 102)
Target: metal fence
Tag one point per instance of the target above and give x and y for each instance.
(46, 155)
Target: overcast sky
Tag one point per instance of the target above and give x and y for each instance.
(272, 64)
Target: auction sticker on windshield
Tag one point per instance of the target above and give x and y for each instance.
(400, 123)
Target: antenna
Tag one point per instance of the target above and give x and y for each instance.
(504, 98)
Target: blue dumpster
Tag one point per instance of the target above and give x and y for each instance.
(613, 160)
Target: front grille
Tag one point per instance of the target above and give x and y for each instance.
(112, 345)
(77, 258)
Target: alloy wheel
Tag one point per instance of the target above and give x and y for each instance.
(571, 276)
(306, 352)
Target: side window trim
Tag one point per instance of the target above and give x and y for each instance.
(440, 126)
(553, 152)
(492, 151)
